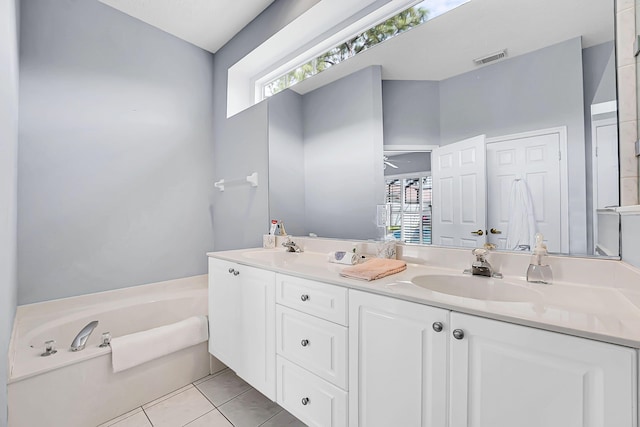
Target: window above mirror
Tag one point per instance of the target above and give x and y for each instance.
(358, 43)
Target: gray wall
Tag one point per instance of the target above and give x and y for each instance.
(630, 230)
(599, 74)
(8, 178)
(286, 161)
(115, 175)
(241, 212)
(234, 227)
(343, 122)
(411, 112)
(534, 91)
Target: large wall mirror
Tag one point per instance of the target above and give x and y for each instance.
(472, 150)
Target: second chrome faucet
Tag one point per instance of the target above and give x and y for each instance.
(481, 267)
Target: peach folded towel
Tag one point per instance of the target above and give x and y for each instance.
(375, 268)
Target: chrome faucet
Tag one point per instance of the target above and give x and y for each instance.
(291, 246)
(81, 339)
(481, 266)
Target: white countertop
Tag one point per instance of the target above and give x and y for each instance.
(604, 313)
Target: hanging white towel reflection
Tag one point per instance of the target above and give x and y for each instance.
(140, 347)
(522, 228)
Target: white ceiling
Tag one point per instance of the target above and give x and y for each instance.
(446, 46)
(443, 47)
(208, 24)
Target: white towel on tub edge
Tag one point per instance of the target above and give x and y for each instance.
(134, 349)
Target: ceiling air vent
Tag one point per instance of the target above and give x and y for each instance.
(491, 57)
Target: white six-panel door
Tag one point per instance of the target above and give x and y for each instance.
(459, 193)
(505, 375)
(534, 157)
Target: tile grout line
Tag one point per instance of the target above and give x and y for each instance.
(168, 396)
(208, 412)
(146, 415)
(225, 417)
(226, 401)
(210, 377)
(205, 396)
(275, 415)
(216, 408)
(132, 413)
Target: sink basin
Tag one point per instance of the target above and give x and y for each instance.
(475, 287)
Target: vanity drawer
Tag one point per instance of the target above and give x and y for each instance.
(314, 344)
(319, 299)
(312, 400)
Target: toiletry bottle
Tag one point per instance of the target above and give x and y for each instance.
(274, 227)
(539, 270)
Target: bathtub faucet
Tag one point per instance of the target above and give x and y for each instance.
(81, 339)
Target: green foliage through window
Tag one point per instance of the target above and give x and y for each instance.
(403, 21)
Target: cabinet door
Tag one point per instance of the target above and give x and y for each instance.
(505, 375)
(224, 317)
(242, 322)
(397, 362)
(257, 335)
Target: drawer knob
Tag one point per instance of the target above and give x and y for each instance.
(458, 334)
(236, 272)
(231, 270)
(437, 326)
(304, 343)
(304, 297)
(305, 400)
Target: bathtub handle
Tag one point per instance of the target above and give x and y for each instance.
(49, 348)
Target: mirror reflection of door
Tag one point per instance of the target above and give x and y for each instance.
(604, 160)
(459, 193)
(536, 159)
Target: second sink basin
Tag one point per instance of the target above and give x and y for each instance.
(476, 287)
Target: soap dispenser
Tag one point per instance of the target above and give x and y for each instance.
(539, 270)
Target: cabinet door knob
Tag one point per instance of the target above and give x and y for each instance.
(437, 326)
(304, 343)
(231, 270)
(304, 297)
(305, 400)
(458, 334)
(236, 272)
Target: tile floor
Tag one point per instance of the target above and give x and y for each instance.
(219, 400)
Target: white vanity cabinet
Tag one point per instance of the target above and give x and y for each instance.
(312, 353)
(415, 365)
(397, 362)
(242, 322)
(504, 375)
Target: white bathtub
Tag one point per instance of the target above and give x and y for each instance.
(79, 388)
